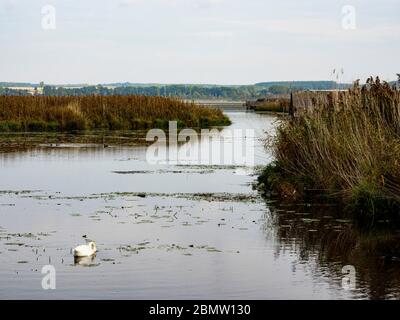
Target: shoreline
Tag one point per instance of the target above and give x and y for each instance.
(343, 149)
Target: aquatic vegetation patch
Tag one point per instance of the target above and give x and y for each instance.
(221, 197)
(164, 171)
(18, 192)
(186, 249)
(134, 172)
(212, 166)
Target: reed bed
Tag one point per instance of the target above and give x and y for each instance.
(131, 112)
(274, 105)
(347, 146)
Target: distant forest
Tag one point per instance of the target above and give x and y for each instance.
(190, 92)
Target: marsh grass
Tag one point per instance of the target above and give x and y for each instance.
(273, 105)
(68, 113)
(346, 146)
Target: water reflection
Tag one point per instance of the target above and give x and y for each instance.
(175, 231)
(319, 233)
(85, 261)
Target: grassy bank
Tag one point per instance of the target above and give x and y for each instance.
(41, 113)
(346, 149)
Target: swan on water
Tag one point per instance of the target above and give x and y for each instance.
(85, 250)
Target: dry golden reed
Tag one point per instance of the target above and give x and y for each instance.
(44, 113)
(346, 144)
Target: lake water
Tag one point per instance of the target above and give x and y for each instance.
(171, 231)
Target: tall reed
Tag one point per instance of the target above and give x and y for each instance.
(43, 113)
(347, 146)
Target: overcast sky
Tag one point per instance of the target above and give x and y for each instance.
(197, 41)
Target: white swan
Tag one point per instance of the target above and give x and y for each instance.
(85, 250)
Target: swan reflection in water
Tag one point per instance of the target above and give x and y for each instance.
(85, 261)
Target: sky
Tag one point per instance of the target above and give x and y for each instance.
(198, 41)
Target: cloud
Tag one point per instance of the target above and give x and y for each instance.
(129, 3)
(207, 3)
(198, 4)
(212, 34)
(323, 28)
(10, 4)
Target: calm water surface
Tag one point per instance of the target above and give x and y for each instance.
(170, 232)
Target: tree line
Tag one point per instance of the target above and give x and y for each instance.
(189, 92)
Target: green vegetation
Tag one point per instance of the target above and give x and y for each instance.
(188, 92)
(197, 92)
(40, 113)
(303, 85)
(183, 91)
(347, 148)
(14, 92)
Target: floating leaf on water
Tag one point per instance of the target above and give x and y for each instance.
(133, 172)
(22, 235)
(76, 215)
(343, 220)
(44, 234)
(14, 244)
(131, 249)
(213, 250)
(307, 220)
(302, 213)
(144, 221)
